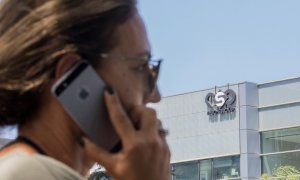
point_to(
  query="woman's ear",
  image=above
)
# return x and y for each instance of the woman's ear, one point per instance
(65, 63)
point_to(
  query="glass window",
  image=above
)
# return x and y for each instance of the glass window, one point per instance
(227, 167)
(282, 165)
(280, 140)
(186, 171)
(205, 170)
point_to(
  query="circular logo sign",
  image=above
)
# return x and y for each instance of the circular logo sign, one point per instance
(221, 102)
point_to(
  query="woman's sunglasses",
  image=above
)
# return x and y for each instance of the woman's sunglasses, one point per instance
(153, 67)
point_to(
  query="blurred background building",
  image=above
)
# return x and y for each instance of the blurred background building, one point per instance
(7, 134)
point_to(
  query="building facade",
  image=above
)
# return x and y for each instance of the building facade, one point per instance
(241, 131)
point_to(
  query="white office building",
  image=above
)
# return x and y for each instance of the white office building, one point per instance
(240, 131)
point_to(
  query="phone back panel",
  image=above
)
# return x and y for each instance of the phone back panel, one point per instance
(83, 99)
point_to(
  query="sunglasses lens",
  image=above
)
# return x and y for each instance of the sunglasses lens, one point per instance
(151, 84)
(153, 75)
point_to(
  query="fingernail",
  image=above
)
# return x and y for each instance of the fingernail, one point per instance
(110, 90)
(81, 142)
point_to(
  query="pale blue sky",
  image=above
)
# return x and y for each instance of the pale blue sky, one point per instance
(215, 42)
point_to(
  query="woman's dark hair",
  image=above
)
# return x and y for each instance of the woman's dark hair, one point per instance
(34, 34)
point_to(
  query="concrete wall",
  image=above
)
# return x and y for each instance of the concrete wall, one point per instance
(279, 104)
(250, 165)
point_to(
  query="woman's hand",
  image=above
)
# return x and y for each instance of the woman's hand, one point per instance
(145, 154)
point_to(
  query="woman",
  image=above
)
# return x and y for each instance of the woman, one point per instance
(41, 40)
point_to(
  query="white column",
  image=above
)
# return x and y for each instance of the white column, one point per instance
(250, 164)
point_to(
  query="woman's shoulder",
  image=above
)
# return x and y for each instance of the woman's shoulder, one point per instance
(21, 165)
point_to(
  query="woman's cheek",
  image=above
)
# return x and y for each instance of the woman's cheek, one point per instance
(131, 97)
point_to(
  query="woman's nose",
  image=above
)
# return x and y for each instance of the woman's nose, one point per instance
(154, 96)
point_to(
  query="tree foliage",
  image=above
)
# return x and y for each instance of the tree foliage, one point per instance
(286, 172)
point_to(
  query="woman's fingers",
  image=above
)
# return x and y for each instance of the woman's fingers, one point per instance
(140, 146)
(161, 130)
(118, 116)
(98, 154)
(147, 119)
